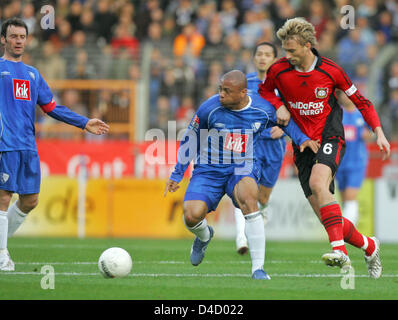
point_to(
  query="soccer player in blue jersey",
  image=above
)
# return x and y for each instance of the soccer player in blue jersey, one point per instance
(352, 169)
(271, 148)
(21, 89)
(220, 139)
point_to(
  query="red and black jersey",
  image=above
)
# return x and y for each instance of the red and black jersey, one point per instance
(311, 99)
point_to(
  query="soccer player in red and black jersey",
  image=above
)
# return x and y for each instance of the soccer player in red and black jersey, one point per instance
(307, 83)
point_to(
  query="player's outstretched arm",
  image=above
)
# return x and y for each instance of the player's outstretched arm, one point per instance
(382, 142)
(97, 126)
(171, 186)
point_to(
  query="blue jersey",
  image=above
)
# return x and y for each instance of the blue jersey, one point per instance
(356, 154)
(22, 88)
(220, 140)
(252, 88)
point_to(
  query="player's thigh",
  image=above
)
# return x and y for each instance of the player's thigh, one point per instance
(245, 194)
(321, 177)
(206, 187)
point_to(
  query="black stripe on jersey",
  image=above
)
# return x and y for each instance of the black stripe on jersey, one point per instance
(362, 99)
(325, 72)
(283, 71)
(332, 64)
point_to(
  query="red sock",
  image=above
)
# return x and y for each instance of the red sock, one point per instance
(332, 221)
(357, 239)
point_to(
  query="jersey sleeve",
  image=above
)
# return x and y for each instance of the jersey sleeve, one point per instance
(267, 89)
(366, 108)
(47, 104)
(189, 146)
(45, 97)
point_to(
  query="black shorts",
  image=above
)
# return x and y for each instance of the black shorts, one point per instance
(330, 153)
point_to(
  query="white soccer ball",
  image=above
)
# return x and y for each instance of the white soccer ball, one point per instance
(115, 263)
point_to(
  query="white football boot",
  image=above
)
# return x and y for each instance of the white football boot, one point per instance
(373, 262)
(6, 264)
(337, 258)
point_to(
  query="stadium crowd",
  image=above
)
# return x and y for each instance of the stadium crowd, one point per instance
(193, 42)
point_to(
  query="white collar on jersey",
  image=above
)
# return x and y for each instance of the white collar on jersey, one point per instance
(246, 107)
(311, 68)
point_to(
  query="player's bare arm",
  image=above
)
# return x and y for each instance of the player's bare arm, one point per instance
(382, 143)
(97, 126)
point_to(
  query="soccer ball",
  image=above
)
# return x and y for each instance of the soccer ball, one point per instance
(115, 263)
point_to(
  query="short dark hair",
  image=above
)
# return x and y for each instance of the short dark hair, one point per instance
(17, 22)
(265, 43)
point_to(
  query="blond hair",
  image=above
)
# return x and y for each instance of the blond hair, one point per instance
(298, 29)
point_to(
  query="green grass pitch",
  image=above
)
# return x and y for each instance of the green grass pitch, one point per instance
(162, 271)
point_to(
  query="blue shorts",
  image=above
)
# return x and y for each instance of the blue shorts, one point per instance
(270, 154)
(20, 171)
(350, 177)
(210, 187)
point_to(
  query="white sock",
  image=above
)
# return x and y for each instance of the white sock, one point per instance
(255, 235)
(351, 211)
(3, 230)
(200, 230)
(239, 223)
(15, 218)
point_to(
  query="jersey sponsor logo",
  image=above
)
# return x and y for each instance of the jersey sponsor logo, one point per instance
(321, 93)
(21, 89)
(236, 142)
(307, 108)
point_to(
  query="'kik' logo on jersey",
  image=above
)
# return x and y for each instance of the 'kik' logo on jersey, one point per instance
(21, 89)
(236, 142)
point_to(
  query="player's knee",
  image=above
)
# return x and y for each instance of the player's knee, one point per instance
(28, 205)
(248, 205)
(193, 215)
(5, 198)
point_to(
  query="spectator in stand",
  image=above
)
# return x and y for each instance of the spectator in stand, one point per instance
(385, 25)
(76, 9)
(83, 67)
(123, 39)
(214, 43)
(351, 50)
(204, 14)
(106, 20)
(50, 63)
(183, 11)
(189, 43)
(28, 16)
(69, 53)
(88, 25)
(250, 30)
(229, 15)
(185, 112)
(318, 16)
(143, 17)
(63, 36)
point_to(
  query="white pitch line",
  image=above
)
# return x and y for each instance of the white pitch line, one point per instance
(199, 275)
(162, 262)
